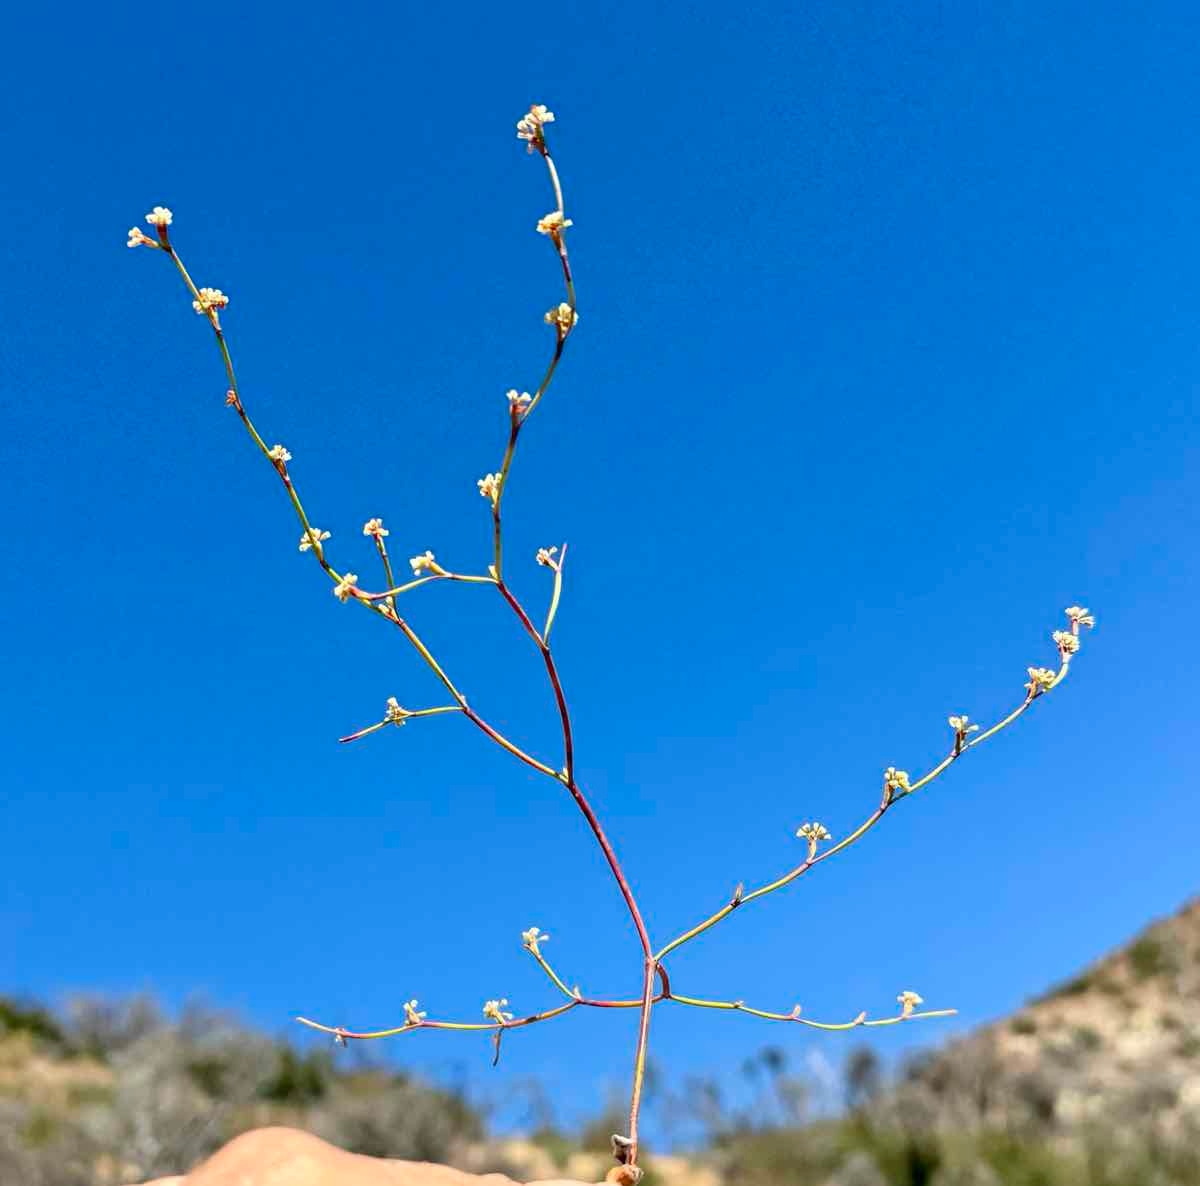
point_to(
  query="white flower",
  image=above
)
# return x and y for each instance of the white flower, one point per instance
(529, 126)
(1066, 642)
(545, 557)
(895, 780)
(1041, 679)
(313, 538)
(411, 1016)
(562, 317)
(345, 587)
(210, 298)
(376, 528)
(422, 562)
(532, 937)
(961, 725)
(160, 216)
(279, 455)
(494, 1011)
(1080, 616)
(813, 832)
(137, 238)
(909, 1000)
(489, 486)
(395, 714)
(553, 223)
(519, 401)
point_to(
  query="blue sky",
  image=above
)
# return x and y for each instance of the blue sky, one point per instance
(887, 353)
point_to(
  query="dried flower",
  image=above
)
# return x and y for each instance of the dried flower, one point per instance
(1066, 642)
(531, 938)
(411, 1016)
(529, 126)
(489, 486)
(279, 455)
(210, 298)
(138, 239)
(562, 316)
(160, 216)
(422, 562)
(519, 401)
(1079, 616)
(545, 557)
(395, 715)
(314, 537)
(345, 587)
(909, 1000)
(961, 725)
(895, 780)
(553, 223)
(376, 528)
(231, 398)
(1041, 679)
(813, 832)
(494, 1011)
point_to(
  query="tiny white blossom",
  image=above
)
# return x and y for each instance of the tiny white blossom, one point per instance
(422, 562)
(909, 1000)
(1066, 642)
(395, 714)
(961, 725)
(278, 454)
(345, 587)
(313, 538)
(411, 1016)
(1041, 679)
(562, 316)
(519, 401)
(553, 223)
(813, 832)
(494, 1011)
(210, 298)
(1080, 616)
(489, 486)
(529, 126)
(159, 216)
(376, 528)
(138, 239)
(545, 557)
(532, 937)
(895, 780)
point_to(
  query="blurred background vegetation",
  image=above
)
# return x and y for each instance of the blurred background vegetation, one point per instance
(1095, 1083)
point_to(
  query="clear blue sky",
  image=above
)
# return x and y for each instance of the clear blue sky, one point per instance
(888, 352)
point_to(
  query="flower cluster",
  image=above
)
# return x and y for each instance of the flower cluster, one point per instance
(1079, 616)
(314, 537)
(895, 780)
(545, 557)
(1066, 642)
(344, 589)
(532, 937)
(210, 299)
(494, 1011)
(279, 455)
(530, 125)
(138, 239)
(160, 217)
(425, 561)
(1041, 679)
(909, 1000)
(962, 725)
(395, 714)
(489, 486)
(553, 224)
(563, 317)
(411, 1016)
(376, 528)
(519, 401)
(814, 833)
